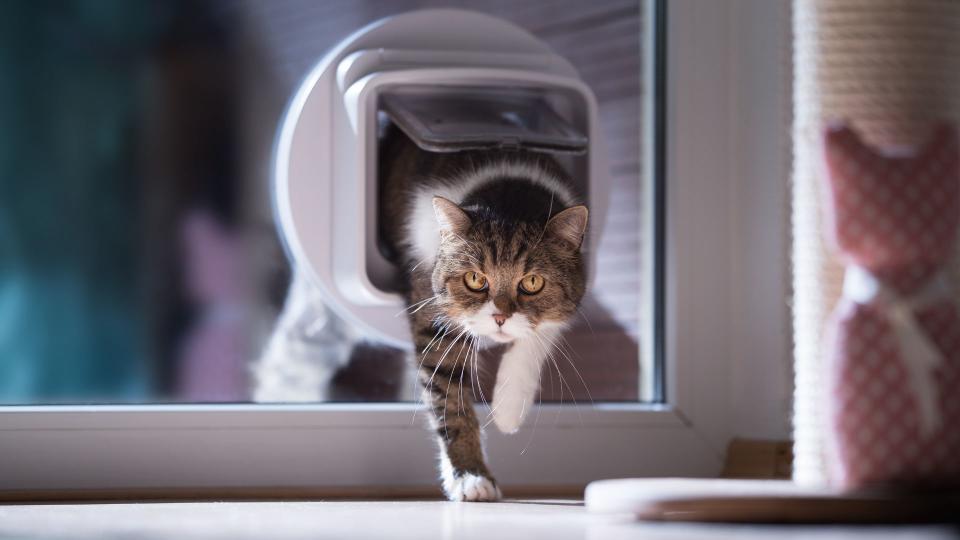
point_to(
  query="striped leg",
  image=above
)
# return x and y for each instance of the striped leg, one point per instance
(444, 358)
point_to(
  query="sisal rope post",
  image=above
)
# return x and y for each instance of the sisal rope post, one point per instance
(892, 69)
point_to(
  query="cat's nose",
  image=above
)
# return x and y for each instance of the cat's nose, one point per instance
(499, 318)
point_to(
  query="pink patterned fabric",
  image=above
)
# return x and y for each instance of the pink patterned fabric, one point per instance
(895, 336)
(215, 349)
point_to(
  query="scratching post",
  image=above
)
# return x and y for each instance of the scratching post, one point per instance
(890, 68)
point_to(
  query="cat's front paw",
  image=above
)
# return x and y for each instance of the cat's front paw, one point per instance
(472, 487)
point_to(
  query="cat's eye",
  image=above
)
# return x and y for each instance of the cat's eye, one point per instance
(531, 284)
(475, 281)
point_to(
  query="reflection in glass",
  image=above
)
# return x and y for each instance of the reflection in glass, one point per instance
(138, 257)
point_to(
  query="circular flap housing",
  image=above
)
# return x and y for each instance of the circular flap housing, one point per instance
(325, 159)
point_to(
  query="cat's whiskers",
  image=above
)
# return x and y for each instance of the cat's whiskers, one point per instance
(586, 320)
(437, 368)
(563, 346)
(464, 258)
(473, 371)
(461, 250)
(476, 365)
(421, 261)
(563, 381)
(444, 356)
(444, 329)
(445, 237)
(446, 324)
(552, 389)
(468, 258)
(490, 417)
(446, 396)
(544, 230)
(450, 378)
(417, 305)
(547, 356)
(470, 339)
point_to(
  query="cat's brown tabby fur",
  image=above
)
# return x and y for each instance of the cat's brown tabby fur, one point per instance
(489, 247)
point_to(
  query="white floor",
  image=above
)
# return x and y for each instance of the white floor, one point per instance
(528, 520)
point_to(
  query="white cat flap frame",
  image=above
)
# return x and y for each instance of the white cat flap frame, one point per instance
(325, 159)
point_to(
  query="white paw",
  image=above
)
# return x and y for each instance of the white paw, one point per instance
(472, 487)
(509, 412)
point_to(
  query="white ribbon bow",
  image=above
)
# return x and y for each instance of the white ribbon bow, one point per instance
(917, 352)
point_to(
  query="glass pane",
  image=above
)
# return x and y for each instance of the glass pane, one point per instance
(139, 258)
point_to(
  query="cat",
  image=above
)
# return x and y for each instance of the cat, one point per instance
(489, 247)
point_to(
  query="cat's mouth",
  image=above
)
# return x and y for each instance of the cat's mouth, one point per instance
(500, 336)
(497, 336)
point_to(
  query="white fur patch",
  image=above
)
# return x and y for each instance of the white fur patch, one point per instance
(472, 487)
(518, 377)
(481, 323)
(423, 232)
(467, 487)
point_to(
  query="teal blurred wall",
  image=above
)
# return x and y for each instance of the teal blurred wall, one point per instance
(70, 323)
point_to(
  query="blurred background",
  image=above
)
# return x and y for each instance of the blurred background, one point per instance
(138, 258)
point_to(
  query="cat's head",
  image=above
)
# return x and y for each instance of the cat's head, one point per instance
(507, 280)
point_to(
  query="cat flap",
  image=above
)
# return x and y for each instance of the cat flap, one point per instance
(480, 118)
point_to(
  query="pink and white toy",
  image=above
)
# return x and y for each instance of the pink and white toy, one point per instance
(894, 410)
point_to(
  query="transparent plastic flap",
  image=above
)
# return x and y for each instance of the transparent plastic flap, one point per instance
(440, 119)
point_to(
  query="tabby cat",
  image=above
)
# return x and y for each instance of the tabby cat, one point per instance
(489, 243)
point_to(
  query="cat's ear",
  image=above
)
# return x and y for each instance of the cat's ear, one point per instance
(569, 225)
(451, 217)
